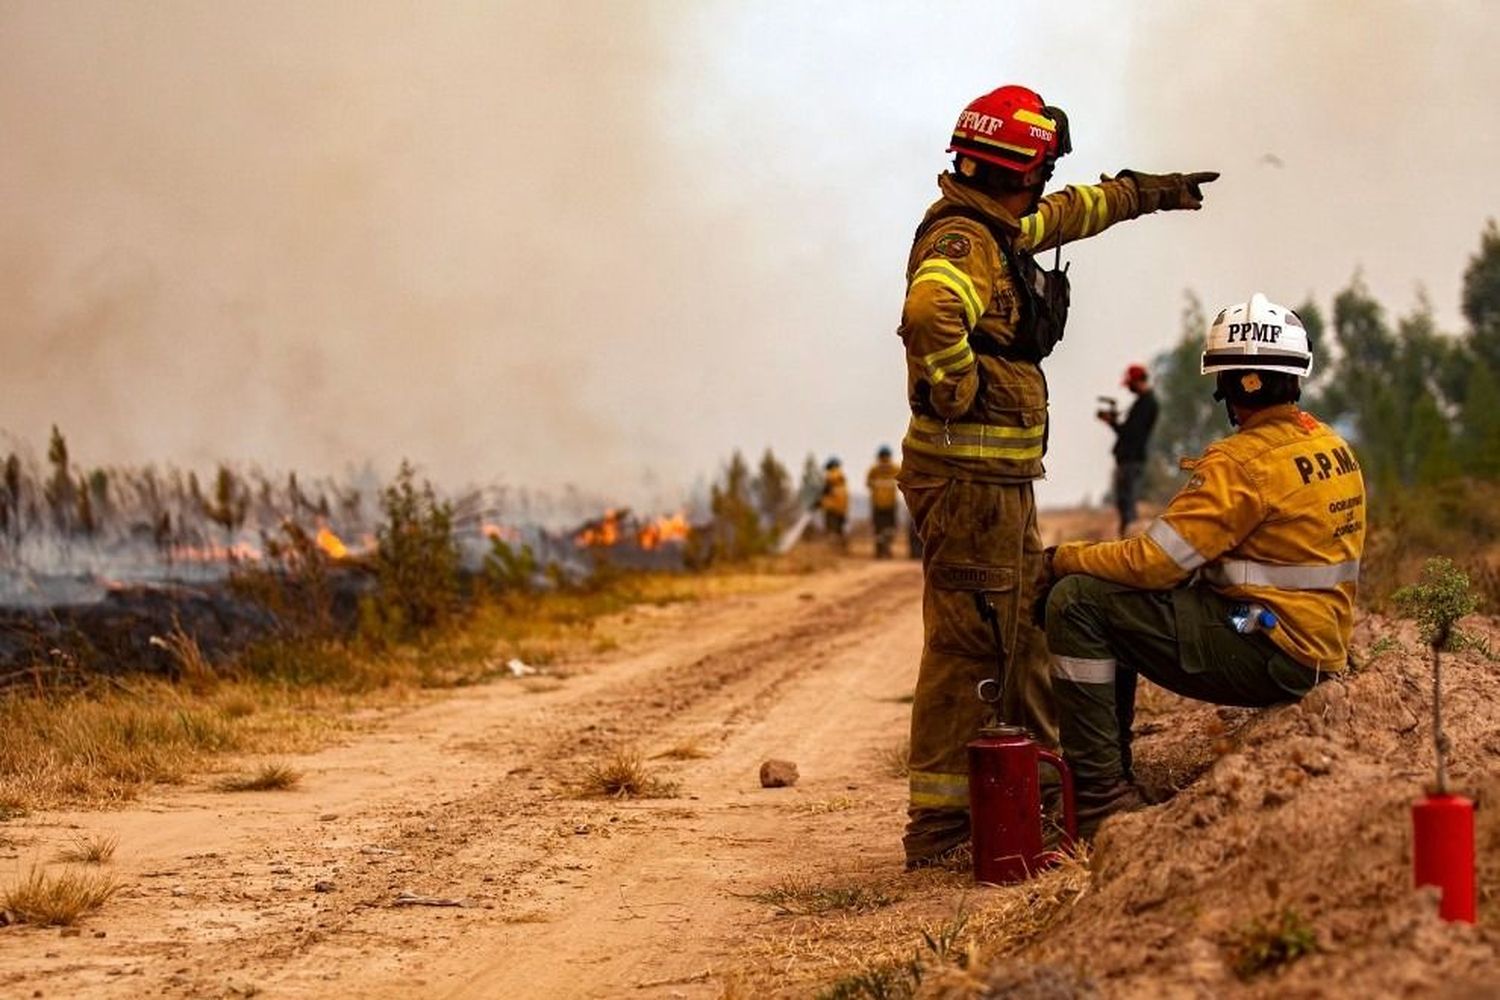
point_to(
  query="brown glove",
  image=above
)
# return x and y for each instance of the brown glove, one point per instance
(1164, 192)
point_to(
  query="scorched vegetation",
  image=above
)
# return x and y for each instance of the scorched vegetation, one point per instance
(149, 625)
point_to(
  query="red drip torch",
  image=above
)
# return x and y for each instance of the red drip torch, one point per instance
(1005, 805)
(1005, 795)
(1442, 825)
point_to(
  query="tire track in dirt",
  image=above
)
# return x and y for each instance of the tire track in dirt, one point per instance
(471, 798)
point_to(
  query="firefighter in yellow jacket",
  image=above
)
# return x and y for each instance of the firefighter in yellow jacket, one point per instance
(1271, 521)
(834, 502)
(881, 480)
(980, 315)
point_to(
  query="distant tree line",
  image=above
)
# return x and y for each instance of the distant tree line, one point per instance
(750, 509)
(168, 507)
(1420, 405)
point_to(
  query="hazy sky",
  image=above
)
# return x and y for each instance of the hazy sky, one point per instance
(606, 243)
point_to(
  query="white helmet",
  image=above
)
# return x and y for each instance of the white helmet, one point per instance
(1257, 334)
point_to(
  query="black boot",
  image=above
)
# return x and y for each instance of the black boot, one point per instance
(1097, 802)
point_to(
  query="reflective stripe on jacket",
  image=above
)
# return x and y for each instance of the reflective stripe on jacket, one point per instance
(958, 284)
(882, 483)
(1273, 514)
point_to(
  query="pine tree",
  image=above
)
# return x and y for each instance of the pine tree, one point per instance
(87, 522)
(1189, 419)
(773, 488)
(98, 485)
(59, 490)
(416, 559)
(1481, 297)
(230, 504)
(10, 497)
(811, 486)
(1479, 422)
(737, 525)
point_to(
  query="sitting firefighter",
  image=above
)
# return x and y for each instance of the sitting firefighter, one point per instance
(1267, 534)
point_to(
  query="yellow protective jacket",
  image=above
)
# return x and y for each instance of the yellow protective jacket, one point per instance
(1273, 514)
(835, 497)
(982, 417)
(882, 483)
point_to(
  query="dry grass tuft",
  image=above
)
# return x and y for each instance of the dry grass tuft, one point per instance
(794, 896)
(95, 850)
(238, 705)
(106, 743)
(267, 778)
(193, 668)
(58, 900)
(688, 749)
(1020, 913)
(624, 775)
(851, 954)
(895, 760)
(102, 745)
(838, 803)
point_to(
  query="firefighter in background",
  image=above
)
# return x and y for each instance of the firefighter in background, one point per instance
(1132, 435)
(834, 501)
(882, 483)
(980, 314)
(1272, 523)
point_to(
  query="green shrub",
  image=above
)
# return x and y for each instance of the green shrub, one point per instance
(416, 562)
(293, 585)
(510, 568)
(1437, 601)
(1264, 946)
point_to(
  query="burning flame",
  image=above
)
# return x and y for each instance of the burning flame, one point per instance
(617, 526)
(602, 533)
(497, 533)
(670, 528)
(331, 544)
(238, 552)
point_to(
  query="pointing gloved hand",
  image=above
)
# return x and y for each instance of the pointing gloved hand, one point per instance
(1164, 192)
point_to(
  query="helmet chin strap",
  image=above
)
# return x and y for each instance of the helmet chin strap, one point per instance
(1220, 397)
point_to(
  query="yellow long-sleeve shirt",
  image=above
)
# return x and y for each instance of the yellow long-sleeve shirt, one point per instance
(1274, 514)
(978, 416)
(881, 480)
(835, 498)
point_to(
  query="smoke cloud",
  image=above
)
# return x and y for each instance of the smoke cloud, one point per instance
(604, 244)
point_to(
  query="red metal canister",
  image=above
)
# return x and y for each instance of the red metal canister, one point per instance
(1005, 805)
(1442, 852)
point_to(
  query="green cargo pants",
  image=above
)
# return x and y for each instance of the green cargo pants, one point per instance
(980, 544)
(1100, 632)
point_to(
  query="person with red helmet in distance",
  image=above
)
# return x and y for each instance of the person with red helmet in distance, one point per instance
(980, 315)
(1132, 435)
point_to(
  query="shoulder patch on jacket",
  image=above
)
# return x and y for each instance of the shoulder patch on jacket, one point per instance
(954, 245)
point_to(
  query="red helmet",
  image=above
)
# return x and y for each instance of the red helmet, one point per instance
(1136, 373)
(1012, 128)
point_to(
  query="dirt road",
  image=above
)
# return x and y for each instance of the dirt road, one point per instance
(472, 799)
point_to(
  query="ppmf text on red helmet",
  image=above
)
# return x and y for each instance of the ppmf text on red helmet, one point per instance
(1011, 127)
